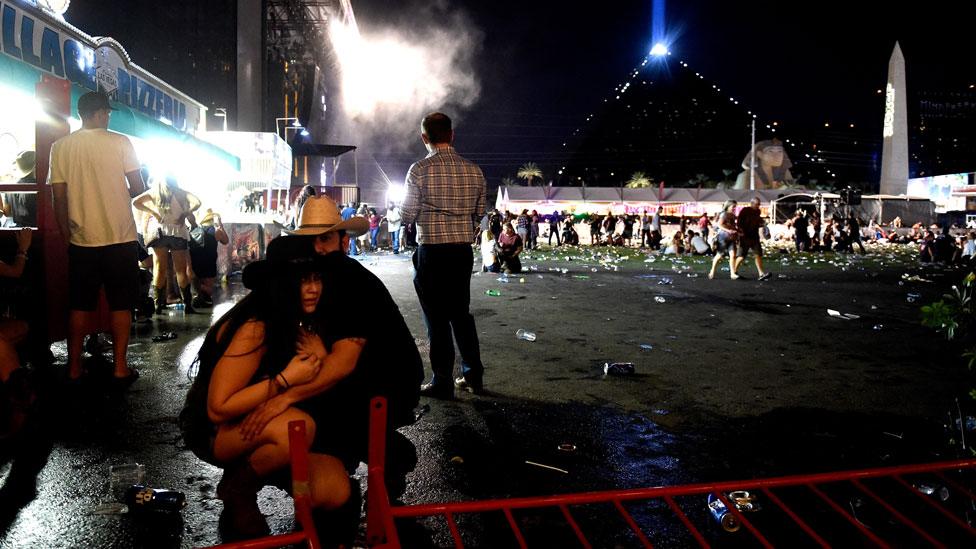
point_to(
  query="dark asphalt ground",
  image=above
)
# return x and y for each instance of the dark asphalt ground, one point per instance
(743, 379)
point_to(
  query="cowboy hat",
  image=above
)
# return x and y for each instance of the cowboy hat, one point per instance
(320, 215)
(285, 257)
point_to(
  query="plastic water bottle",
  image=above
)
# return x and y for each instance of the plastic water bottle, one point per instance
(525, 335)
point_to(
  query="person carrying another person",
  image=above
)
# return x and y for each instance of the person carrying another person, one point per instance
(726, 239)
(94, 176)
(508, 248)
(208, 234)
(170, 208)
(750, 222)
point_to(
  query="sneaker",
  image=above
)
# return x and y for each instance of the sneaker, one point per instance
(765, 276)
(471, 387)
(442, 392)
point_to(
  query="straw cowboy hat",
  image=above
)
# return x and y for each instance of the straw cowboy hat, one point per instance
(320, 215)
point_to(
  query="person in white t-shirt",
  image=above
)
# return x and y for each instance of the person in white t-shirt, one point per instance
(94, 176)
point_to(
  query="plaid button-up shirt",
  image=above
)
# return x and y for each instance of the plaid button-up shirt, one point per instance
(445, 195)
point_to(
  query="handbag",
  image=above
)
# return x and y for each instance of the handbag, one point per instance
(197, 238)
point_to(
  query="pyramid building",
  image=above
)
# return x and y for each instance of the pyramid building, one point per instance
(665, 120)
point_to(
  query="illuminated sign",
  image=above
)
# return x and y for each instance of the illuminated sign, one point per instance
(889, 117)
(38, 40)
(941, 190)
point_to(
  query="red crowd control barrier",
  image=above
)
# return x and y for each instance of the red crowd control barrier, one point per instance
(301, 495)
(928, 504)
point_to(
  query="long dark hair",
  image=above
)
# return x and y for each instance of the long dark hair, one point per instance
(276, 303)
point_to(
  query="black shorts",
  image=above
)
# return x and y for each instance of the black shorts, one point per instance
(747, 244)
(116, 267)
(169, 242)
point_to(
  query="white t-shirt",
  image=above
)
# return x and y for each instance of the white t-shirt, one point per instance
(969, 249)
(393, 218)
(700, 245)
(93, 164)
(488, 256)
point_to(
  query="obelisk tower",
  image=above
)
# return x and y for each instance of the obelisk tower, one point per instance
(894, 154)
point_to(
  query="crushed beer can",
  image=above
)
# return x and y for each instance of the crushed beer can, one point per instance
(144, 498)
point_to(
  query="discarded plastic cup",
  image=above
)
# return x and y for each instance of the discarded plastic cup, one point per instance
(646, 347)
(503, 279)
(933, 490)
(659, 299)
(525, 335)
(122, 477)
(618, 368)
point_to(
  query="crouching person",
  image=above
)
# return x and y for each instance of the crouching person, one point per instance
(260, 349)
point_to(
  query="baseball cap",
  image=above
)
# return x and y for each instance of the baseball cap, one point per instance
(93, 102)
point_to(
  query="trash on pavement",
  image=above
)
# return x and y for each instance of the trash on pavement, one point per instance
(525, 335)
(493, 293)
(845, 316)
(618, 368)
(165, 336)
(550, 467)
(659, 299)
(646, 347)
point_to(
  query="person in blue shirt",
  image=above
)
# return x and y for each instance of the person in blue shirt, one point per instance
(346, 213)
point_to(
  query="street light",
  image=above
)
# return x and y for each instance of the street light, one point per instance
(221, 112)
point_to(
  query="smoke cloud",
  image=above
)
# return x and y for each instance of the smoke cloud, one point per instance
(391, 76)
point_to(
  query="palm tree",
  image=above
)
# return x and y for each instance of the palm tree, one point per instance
(528, 172)
(638, 181)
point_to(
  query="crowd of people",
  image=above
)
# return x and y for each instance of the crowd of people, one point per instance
(318, 335)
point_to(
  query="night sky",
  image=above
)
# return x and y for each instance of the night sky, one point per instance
(545, 64)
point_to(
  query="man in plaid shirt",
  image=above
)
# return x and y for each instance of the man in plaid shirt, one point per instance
(445, 195)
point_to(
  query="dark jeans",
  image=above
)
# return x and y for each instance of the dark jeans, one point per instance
(443, 284)
(552, 233)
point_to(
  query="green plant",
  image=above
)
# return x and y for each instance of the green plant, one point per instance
(952, 312)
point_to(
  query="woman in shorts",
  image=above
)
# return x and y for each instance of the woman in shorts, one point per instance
(726, 239)
(170, 208)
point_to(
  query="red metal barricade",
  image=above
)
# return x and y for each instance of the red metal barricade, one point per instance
(300, 493)
(803, 509)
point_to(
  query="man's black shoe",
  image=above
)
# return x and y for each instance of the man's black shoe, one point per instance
(443, 392)
(469, 386)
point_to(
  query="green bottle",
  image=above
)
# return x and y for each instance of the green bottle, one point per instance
(493, 293)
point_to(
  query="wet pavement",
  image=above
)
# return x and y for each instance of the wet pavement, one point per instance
(741, 379)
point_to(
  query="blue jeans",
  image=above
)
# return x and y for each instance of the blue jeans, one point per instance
(443, 284)
(372, 237)
(352, 245)
(395, 236)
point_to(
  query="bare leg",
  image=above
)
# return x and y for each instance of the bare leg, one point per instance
(159, 266)
(11, 333)
(715, 260)
(759, 265)
(121, 324)
(732, 264)
(79, 323)
(181, 262)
